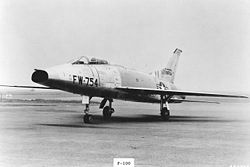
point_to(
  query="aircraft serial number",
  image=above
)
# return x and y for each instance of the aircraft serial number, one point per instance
(89, 80)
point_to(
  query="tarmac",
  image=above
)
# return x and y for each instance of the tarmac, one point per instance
(53, 134)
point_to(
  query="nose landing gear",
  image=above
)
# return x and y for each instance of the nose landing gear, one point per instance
(87, 118)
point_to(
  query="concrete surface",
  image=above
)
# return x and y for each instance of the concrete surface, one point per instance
(52, 134)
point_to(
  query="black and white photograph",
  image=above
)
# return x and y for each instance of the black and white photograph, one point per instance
(124, 83)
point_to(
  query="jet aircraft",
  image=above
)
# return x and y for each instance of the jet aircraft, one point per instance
(98, 78)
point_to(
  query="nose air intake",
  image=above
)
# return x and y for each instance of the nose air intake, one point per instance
(39, 76)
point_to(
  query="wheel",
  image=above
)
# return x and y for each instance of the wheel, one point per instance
(107, 112)
(87, 118)
(165, 114)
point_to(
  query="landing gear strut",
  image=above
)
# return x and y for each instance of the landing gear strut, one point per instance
(164, 107)
(108, 110)
(87, 117)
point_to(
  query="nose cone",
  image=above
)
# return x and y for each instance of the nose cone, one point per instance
(39, 76)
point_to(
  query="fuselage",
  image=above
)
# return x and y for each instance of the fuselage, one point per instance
(100, 80)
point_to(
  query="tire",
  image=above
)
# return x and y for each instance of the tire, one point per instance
(165, 114)
(87, 118)
(107, 112)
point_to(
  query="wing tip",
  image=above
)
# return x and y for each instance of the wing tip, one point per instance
(24, 86)
(240, 96)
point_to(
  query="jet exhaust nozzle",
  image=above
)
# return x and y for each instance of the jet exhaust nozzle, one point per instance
(39, 76)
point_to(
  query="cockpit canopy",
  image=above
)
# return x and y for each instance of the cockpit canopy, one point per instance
(80, 60)
(85, 60)
(98, 61)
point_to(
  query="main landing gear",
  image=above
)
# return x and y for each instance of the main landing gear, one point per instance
(108, 110)
(164, 108)
(165, 114)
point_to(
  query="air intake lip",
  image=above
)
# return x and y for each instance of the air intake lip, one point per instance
(40, 76)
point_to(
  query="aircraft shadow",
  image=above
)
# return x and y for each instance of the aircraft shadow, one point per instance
(80, 125)
(99, 120)
(156, 118)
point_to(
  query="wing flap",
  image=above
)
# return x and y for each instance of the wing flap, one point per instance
(193, 101)
(149, 91)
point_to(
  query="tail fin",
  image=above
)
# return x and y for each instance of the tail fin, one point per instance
(168, 73)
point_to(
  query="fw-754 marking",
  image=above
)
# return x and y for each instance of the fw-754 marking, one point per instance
(89, 80)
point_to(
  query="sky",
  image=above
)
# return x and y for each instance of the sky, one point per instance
(140, 34)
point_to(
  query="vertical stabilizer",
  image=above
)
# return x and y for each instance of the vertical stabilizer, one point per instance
(168, 73)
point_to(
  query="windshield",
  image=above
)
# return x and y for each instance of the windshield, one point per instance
(80, 60)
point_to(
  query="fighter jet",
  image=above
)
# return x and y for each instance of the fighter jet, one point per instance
(98, 78)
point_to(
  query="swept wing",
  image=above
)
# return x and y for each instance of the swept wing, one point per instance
(24, 86)
(149, 91)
